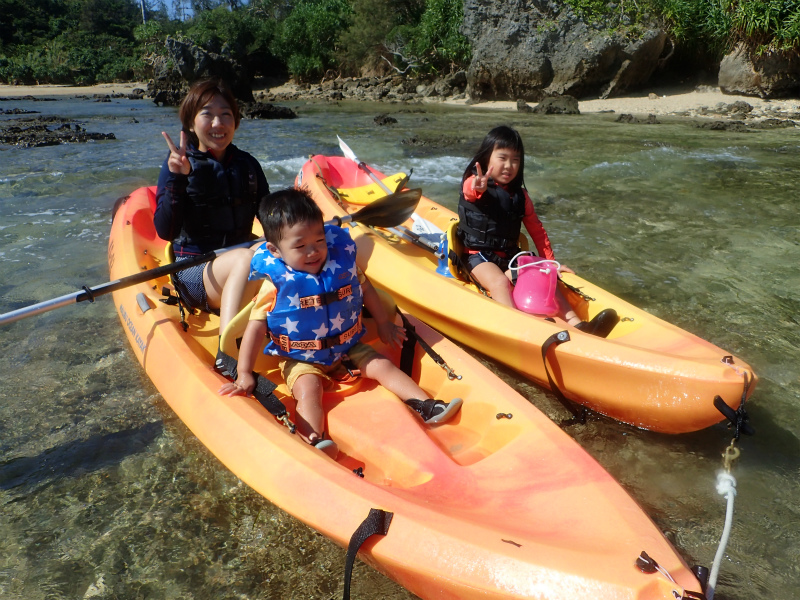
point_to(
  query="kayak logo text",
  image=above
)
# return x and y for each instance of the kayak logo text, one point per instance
(129, 323)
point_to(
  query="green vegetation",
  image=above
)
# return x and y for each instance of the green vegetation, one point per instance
(87, 41)
(714, 25)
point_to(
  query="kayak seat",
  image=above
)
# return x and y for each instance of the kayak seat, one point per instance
(455, 249)
(371, 192)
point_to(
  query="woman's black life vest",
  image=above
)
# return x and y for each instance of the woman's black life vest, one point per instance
(493, 222)
(224, 200)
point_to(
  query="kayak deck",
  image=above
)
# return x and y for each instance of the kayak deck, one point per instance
(498, 503)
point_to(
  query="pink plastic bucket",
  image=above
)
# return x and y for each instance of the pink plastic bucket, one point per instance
(535, 290)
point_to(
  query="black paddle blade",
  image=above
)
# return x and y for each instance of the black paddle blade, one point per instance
(388, 211)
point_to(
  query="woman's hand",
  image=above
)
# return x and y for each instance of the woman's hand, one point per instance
(177, 161)
(480, 182)
(391, 334)
(565, 269)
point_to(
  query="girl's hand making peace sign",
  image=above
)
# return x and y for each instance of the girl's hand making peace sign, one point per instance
(177, 161)
(480, 181)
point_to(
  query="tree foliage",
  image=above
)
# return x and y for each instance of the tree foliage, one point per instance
(307, 40)
(84, 41)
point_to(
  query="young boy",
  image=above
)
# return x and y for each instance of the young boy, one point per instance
(310, 308)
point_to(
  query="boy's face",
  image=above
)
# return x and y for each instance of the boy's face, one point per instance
(302, 247)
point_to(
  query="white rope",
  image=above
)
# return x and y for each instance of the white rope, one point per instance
(726, 486)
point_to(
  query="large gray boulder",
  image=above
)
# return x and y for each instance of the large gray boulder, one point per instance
(530, 49)
(193, 63)
(770, 75)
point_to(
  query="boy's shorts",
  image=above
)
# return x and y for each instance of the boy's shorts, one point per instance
(291, 369)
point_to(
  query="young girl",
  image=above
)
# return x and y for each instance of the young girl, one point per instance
(208, 194)
(493, 206)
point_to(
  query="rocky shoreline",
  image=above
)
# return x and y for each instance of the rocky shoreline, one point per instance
(703, 107)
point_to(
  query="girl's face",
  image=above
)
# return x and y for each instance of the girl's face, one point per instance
(504, 165)
(214, 126)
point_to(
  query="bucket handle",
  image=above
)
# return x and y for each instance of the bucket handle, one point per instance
(538, 263)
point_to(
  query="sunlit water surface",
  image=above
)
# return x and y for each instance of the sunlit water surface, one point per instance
(105, 494)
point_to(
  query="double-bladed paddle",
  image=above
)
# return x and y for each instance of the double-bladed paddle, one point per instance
(348, 153)
(384, 212)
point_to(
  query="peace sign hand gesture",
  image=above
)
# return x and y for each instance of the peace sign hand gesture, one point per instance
(177, 161)
(481, 181)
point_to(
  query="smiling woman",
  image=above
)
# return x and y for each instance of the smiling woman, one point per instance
(208, 194)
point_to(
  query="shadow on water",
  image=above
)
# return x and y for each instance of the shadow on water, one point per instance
(76, 458)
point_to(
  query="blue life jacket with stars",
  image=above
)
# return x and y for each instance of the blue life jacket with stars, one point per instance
(316, 318)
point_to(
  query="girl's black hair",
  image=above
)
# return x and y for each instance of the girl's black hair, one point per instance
(499, 137)
(286, 208)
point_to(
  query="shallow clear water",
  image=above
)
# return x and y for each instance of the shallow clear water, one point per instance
(105, 494)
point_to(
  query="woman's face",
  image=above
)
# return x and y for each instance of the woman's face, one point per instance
(503, 165)
(214, 126)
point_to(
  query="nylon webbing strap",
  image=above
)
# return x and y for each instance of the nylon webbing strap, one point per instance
(407, 356)
(559, 338)
(263, 393)
(263, 390)
(376, 523)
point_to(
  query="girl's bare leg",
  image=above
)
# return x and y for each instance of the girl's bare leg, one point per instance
(490, 276)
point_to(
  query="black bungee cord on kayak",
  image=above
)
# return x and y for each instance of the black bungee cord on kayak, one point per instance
(578, 414)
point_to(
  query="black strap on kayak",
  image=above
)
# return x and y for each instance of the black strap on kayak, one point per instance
(738, 418)
(263, 392)
(578, 414)
(578, 291)
(454, 257)
(407, 353)
(376, 523)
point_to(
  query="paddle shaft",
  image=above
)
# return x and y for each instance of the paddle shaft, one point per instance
(111, 286)
(385, 212)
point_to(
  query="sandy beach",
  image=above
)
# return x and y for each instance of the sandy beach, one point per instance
(683, 102)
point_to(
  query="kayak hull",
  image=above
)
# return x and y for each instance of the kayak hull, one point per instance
(647, 373)
(498, 503)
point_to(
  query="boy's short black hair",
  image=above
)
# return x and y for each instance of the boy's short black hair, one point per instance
(286, 208)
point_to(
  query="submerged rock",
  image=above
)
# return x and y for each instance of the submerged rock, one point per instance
(46, 131)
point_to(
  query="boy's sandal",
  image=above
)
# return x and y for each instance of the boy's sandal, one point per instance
(435, 411)
(329, 447)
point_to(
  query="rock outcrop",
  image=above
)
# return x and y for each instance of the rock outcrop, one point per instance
(531, 49)
(190, 63)
(770, 75)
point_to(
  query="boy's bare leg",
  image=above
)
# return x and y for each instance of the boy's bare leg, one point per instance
(307, 391)
(382, 370)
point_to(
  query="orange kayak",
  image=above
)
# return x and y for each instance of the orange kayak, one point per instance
(497, 503)
(648, 372)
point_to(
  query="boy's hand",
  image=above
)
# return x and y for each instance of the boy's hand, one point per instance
(177, 161)
(391, 334)
(243, 385)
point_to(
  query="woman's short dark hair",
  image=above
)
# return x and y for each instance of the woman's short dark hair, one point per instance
(286, 208)
(200, 94)
(500, 137)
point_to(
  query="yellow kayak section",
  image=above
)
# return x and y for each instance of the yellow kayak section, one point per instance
(498, 503)
(647, 373)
